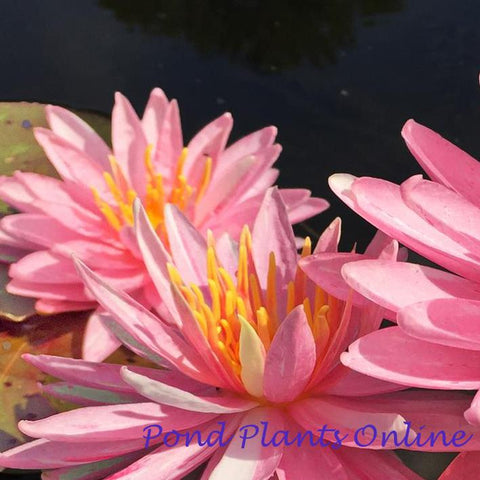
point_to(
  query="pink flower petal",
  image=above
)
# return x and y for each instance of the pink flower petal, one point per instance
(443, 161)
(291, 358)
(98, 341)
(380, 202)
(188, 246)
(208, 142)
(154, 115)
(448, 321)
(166, 463)
(394, 356)
(147, 331)
(111, 423)
(395, 285)
(129, 142)
(251, 461)
(272, 233)
(447, 211)
(330, 238)
(169, 395)
(73, 129)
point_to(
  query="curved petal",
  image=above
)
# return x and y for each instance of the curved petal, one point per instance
(447, 211)
(392, 355)
(443, 161)
(448, 321)
(77, 132)
(98, 341)
(251, 459)
(129, 142)
(272, 233)
(291, 358)
(395, 285)
(175, 397)
(111, 422)
(380, 202)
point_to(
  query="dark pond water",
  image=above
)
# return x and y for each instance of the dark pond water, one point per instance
(339, 78)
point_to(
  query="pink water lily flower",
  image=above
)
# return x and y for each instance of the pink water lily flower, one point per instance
(437, 341)
(89, 210)
(248, 338)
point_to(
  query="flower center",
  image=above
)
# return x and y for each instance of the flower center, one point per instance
(159, 191)
(231, 299)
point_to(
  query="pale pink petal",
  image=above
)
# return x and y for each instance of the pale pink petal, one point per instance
(187, 245)
(395, 285)
(394, 356)
(98, 341)
(37, 228)
(330, 238)
(250, 460)
(105, 376)
(166, 463)
(309, 208)
(447, 211)
(73, 292)
(346, 382)
(148, 333)
(156, 259)
(380, 202)
(44, 266)
(255, 180)
(346, 415)
(208, 142)
(111, 422)
(129, 142)
(464, 467)
(272, 233)
(14, 192)
(169, 143)
(223, 187)
(324, 269)
(73, 164)
(250, 144)
(291, 358)
(169, 395)
(307, 461)
(73, 129)
(154, 115)
(451, 321)
(443, 161)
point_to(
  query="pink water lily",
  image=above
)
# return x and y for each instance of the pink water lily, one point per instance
(89, 210)
(437, 341)
(248, 338)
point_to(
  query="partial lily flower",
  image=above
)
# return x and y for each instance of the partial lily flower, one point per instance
(89, 210)
(437, 341)
(248, 338)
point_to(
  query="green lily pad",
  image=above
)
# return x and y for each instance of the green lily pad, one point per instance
(18, 148)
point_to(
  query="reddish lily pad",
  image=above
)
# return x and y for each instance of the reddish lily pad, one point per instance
(18, 148)
(20, 396)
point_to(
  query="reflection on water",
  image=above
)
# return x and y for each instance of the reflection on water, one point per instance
(269, 35)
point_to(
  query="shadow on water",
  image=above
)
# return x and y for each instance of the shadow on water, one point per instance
(270, 35)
